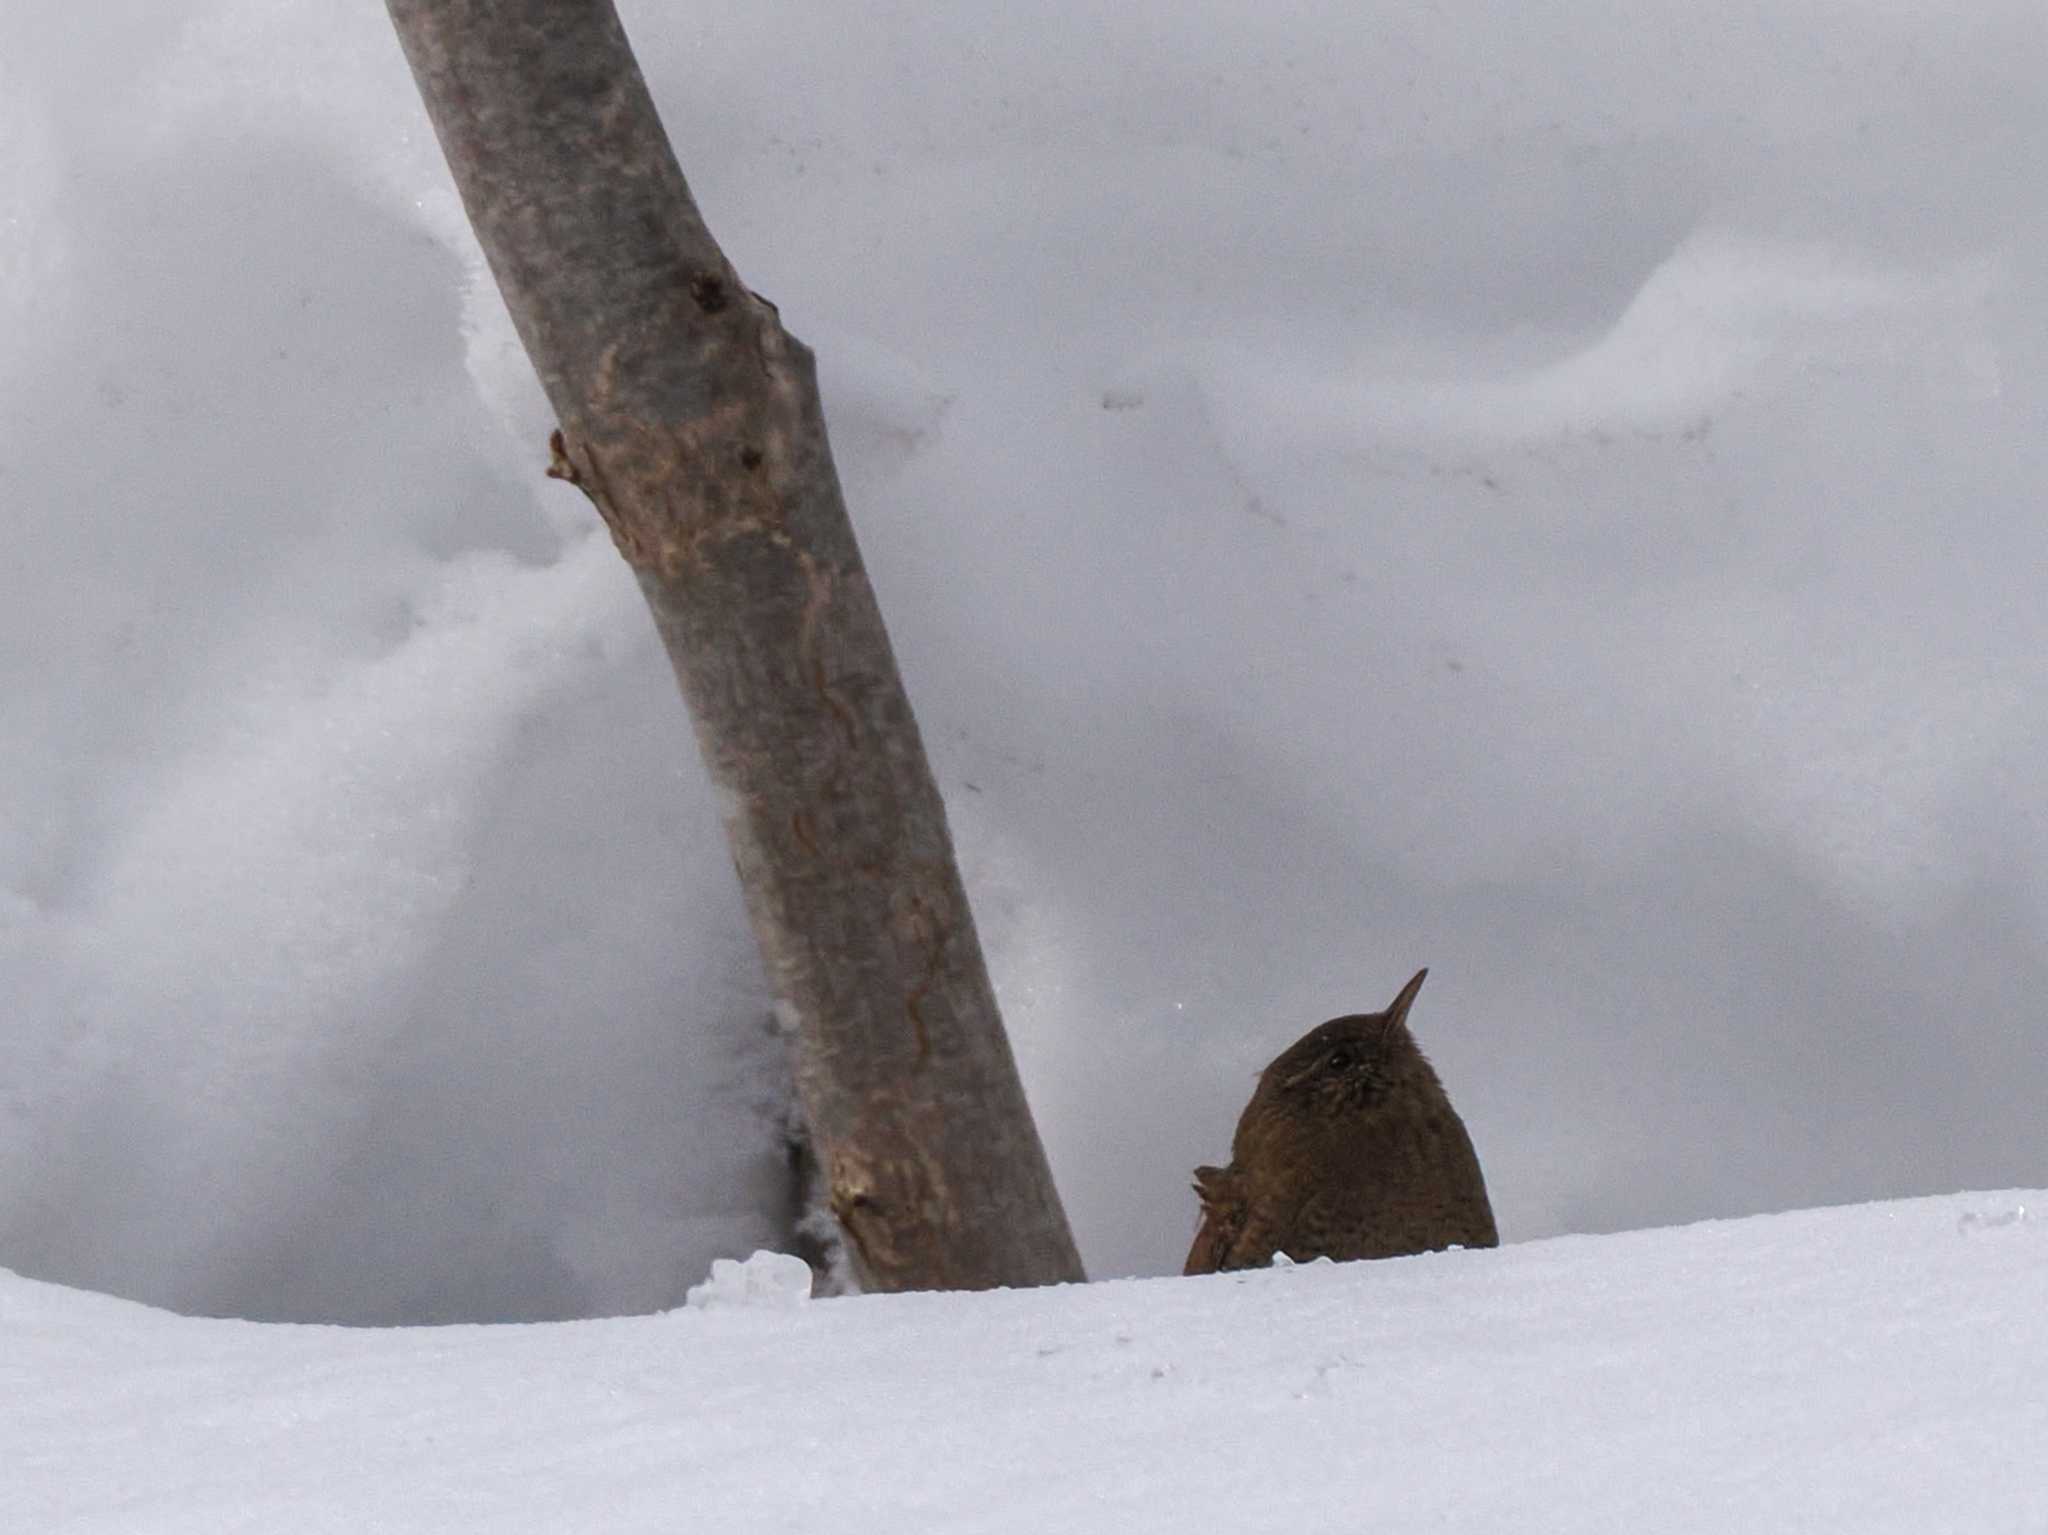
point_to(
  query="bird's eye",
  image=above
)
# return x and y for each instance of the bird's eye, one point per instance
(1338, 1059)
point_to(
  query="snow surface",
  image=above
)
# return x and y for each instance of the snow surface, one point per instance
(1880, 1370)
(1549, 493)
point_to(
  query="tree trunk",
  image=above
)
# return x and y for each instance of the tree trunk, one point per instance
(691, 419)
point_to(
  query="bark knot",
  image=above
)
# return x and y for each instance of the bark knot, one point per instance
(708, 291)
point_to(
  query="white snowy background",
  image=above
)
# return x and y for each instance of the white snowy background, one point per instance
(1549, 493)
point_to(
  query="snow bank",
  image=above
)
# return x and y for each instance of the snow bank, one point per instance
(1869, 1371)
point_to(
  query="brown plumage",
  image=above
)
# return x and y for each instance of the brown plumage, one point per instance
(1348, 1149)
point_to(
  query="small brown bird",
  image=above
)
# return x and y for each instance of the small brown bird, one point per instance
(1348, 1149)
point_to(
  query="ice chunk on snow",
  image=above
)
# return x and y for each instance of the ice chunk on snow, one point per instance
(1284, 1261)
(766, 1279)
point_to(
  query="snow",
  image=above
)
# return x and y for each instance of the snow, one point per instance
(765, 1279)
(1866, 1370)
(1549, 495)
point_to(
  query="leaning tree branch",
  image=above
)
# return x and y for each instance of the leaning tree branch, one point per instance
(691, 419)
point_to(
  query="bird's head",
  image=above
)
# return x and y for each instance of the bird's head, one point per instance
(1337, 1074)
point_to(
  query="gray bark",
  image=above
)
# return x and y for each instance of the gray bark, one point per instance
(691, 419)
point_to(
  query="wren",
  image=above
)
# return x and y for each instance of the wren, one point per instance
(1348, 1149)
